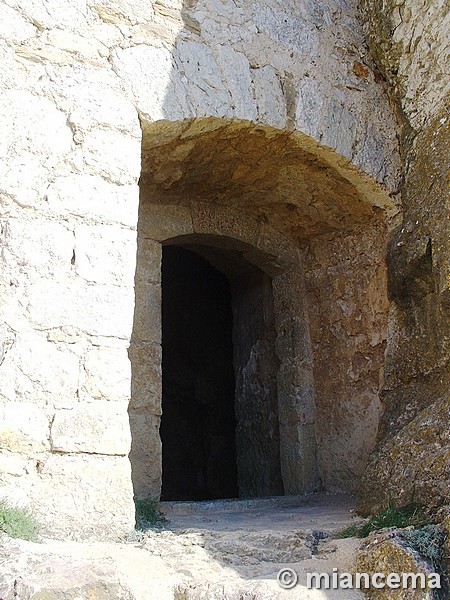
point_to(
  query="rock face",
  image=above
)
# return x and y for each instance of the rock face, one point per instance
(414, 464)
(417, 374)
(256, 134)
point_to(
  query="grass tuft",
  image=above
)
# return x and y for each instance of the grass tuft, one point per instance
(391, 516)
(18, 522)
(148, 514)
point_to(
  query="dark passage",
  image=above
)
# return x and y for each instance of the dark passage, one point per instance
(198, 422)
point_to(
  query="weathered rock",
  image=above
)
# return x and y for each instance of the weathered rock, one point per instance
(31, 571)
(409, 51)
(413, 465)
(214, 558)
(386, 552)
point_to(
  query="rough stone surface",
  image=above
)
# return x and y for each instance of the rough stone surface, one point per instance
(197, 556)
(392, 473)
(386, 552)
(412, 53)
(348, 316)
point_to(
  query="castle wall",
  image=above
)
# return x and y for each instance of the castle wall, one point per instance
(78, 80)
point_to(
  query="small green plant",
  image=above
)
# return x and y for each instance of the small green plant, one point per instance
(427, 541)
(18, 522)
(148, 514)
(391, 516)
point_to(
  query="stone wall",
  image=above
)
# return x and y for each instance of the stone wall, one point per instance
(411, 48)
(79, 78)
(256, 396)
(346, 284)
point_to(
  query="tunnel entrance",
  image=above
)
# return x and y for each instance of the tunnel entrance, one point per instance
(198, 421)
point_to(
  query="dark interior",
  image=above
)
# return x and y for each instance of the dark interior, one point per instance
(198, 422)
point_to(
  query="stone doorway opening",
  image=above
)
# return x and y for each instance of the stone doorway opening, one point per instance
(219, 428)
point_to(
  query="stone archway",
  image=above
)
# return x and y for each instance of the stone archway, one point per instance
(278, 272)
(317, 228)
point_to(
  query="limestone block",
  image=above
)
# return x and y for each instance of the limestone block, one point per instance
(100, 427)
(236, 69)
(148, 264)
(373, 159)
(128, 12)
(55, 14)
(340, 129)
(25, 180)
(15, 465)
(62, 48)
(76, 44)
(164, 222)
(114, 156)
(299, 473)
(206, 92)
(286, 253)
(227, 222)
(105, 255)
(36, 248)
(107, 33)
(84, 496)
(146, 382)
(293, 343)
(14, 73)
(108, 373)
(94, 197)
(94, 97)
(295, 395)
(296, 33)
(269, 97)
(147, 313)
(7, 339)
(310, 101)
(38, 370)
(38, 126)
(96, 309)
(39, 134)
(155, 86)
(23, 429)
(13, 26)
(145, 455)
